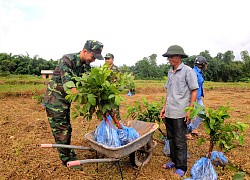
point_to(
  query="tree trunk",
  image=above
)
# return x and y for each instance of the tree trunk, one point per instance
(210, 148)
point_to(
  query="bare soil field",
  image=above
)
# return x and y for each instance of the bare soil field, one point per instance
(24, 126)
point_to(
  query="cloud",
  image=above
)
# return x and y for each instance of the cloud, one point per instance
(129, 29)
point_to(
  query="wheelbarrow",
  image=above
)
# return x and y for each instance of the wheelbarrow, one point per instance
(139, 150)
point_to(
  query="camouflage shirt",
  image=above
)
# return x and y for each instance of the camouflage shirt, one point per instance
(69, 66)
(115, 68)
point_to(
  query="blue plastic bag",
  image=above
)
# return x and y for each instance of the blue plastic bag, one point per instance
(166, 149)
(106, 134)
(203, 170)
(129, 93)
(218, 159)
(127, 134)
(189, 129)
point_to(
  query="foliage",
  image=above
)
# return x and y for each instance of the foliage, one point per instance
(221, 68)
(38, 98)
(222, 134)
(23, 64)
(27, 85)
(147, 68)
(100, 92)
(239, 176)
(22, 79)
(130, 80)
(147, 111)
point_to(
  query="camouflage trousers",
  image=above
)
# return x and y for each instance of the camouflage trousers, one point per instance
(59, 120)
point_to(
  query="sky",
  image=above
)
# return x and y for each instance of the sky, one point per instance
(129, 29)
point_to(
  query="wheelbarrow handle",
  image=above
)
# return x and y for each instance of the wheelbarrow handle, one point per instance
(65, 146)
(73, 163)
(46, 145)
(80, 162)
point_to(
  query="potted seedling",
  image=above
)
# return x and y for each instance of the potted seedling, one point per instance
(223, 134)
(100, 93)
(146, 111)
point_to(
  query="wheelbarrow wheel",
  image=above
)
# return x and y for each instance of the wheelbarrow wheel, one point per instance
(142, 156)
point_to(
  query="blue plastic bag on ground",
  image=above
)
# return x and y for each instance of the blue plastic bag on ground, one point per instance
(129, 93)
(127, 135)
(189, 129)
(166, 149)
(106, 134)
(218, 159)
(203, 170)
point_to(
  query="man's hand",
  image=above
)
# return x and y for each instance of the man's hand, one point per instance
(187, 118)
(162, 113)
(74, 90)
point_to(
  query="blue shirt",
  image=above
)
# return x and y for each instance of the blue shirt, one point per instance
(200, 78)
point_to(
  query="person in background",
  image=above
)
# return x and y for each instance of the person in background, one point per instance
(181, 93)
(200, 64)
(57, 107)
(109, 59)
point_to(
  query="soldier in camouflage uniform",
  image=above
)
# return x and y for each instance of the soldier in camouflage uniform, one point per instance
(57, 107)
(109, 59)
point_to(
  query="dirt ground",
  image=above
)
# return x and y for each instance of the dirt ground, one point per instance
(24, 126)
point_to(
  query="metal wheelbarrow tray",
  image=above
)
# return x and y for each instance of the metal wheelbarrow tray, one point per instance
(139, 150)
(145, 130)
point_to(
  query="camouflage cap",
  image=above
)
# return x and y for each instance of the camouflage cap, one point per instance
(175, 50)
(95, 47)
(109, 55)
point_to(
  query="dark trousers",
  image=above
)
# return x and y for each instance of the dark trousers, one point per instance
(59, 120)
(176, 130)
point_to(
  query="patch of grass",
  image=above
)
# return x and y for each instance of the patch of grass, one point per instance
(21, 90)
(19, 146)
(22, 79)
(38, 98)
(23, 85)
(213, 85)
(207, 85)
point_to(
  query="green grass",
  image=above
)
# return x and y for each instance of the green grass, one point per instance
(149, 83)
(16, 85)
(21, 88)
(209, 84)
(22, 85)
(22, 79)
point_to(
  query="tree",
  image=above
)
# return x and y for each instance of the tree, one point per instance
(189, 61)
(228, 57)
(206, 55)
(147, 68)
(246, 66)
(245, 55)
(124, 68)
(23, 64)
(213, 72)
